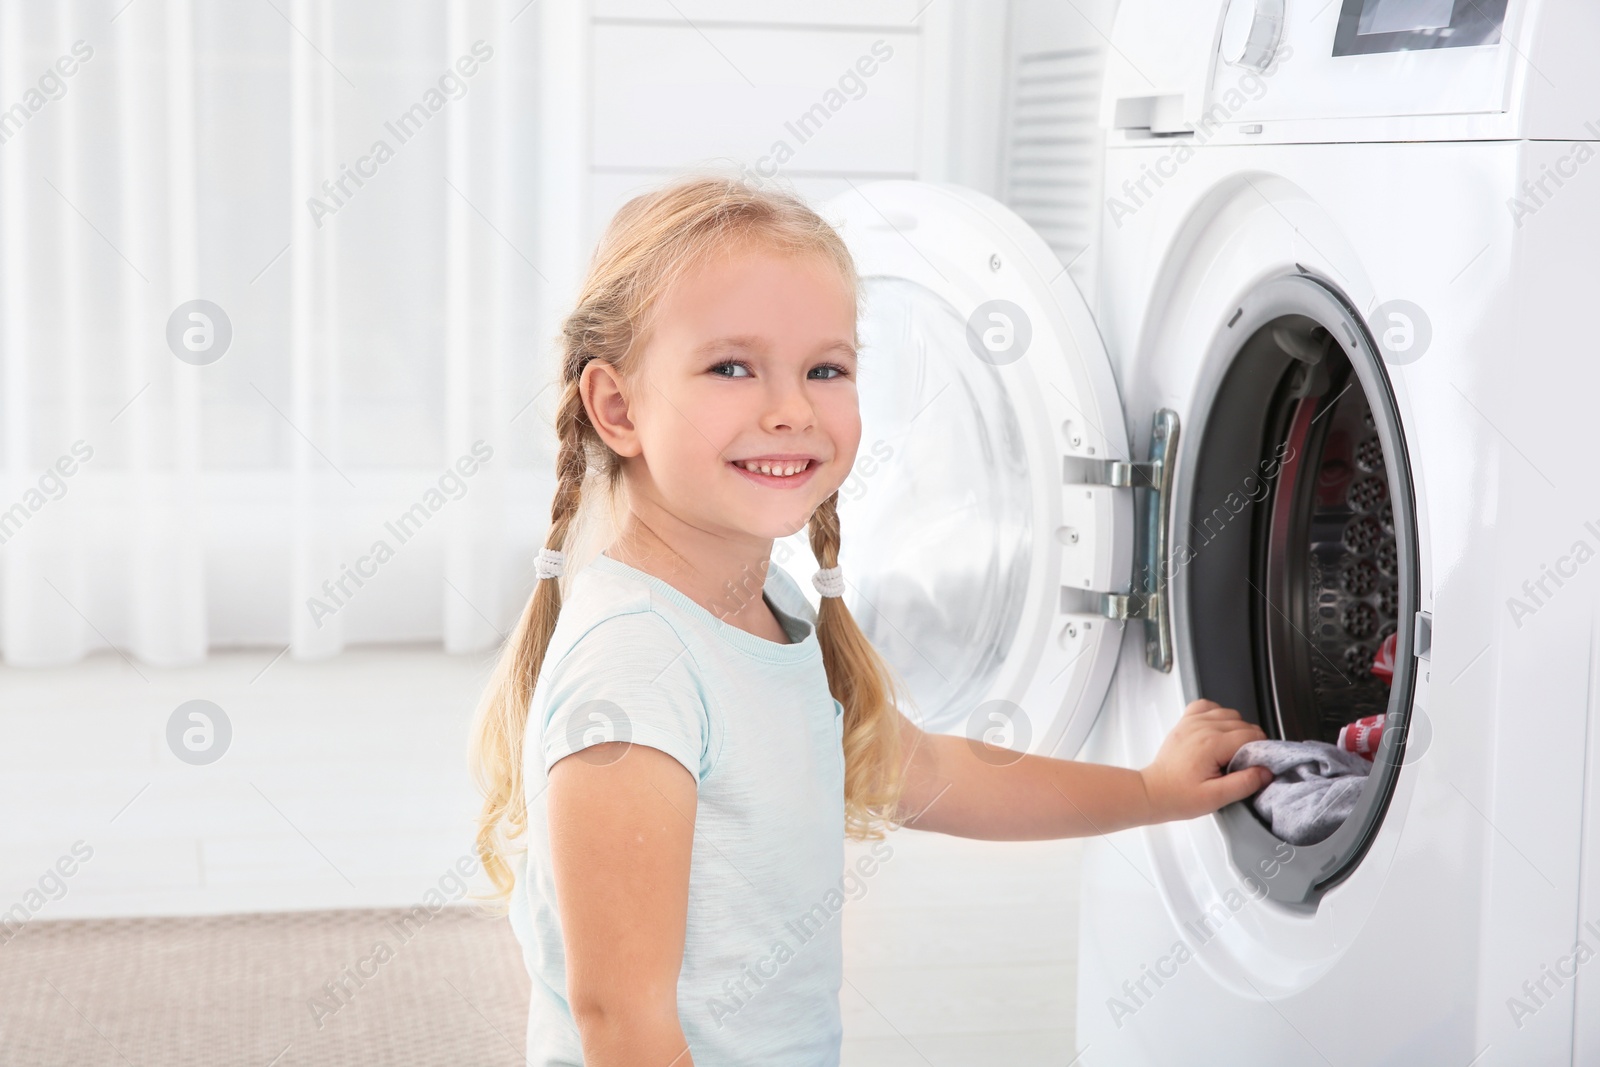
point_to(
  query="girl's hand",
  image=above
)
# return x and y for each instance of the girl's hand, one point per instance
(1185, 779)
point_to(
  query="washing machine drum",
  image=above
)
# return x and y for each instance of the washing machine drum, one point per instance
(1299, 582)
(1327, 555)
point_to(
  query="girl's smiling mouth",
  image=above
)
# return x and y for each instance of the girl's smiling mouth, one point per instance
(783, 472)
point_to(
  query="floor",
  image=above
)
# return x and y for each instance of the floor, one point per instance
(289, 989)
(341, 787)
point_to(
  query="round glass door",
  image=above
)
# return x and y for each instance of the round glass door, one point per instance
(936, 522)
(973, 551)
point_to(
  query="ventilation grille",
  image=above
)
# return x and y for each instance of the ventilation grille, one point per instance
(1053, 148)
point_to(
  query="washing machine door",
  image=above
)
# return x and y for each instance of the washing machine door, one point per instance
(985, 547)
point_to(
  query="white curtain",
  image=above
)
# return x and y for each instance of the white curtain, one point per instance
(351, 190)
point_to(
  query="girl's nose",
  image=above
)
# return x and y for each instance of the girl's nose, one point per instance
(789, 407)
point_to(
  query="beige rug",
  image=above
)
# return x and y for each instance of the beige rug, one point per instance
(285, 990)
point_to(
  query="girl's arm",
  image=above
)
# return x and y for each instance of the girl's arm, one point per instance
(621, 833)
(958, 787)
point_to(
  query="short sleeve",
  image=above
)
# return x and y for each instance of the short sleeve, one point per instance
(629, 678)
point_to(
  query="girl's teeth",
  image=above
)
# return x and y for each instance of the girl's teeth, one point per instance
(781, 470)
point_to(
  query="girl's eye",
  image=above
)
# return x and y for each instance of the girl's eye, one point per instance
(831, 370)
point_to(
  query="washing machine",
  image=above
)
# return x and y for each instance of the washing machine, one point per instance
(1335, 394)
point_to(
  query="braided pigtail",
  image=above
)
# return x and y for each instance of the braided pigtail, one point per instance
(864, 683)
(503, 716)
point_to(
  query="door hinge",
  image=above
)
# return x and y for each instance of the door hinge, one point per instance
(1147, 599)
(1126, 474)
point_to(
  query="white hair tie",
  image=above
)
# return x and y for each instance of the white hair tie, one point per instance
(829, 581)
(550, 563)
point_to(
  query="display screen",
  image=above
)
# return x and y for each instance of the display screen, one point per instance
(1367, 26)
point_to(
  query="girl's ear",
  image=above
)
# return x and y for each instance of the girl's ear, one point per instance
(607, 405)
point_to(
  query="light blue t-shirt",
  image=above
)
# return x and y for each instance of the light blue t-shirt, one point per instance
(753, 721)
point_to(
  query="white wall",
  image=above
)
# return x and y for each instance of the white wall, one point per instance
(652, 88)
(1000, 95)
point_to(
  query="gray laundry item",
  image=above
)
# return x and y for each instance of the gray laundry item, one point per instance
(1314, 789)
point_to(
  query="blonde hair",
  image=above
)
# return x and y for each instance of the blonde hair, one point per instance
(651, 242)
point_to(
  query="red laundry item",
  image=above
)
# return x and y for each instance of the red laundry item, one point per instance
(1383, 662)
(1362, 736)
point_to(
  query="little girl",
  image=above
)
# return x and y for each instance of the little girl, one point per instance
(683, 740)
